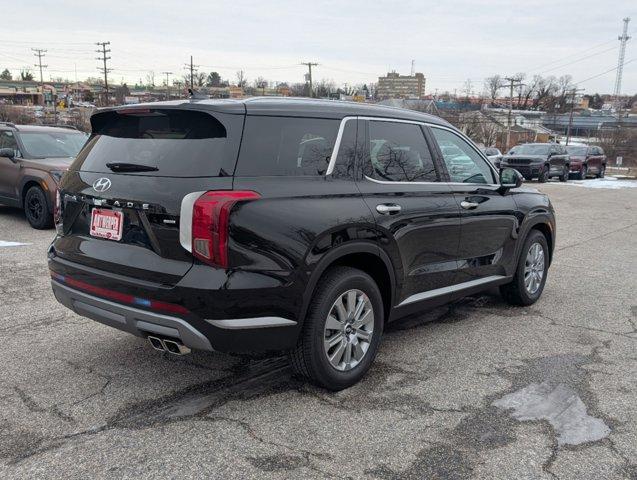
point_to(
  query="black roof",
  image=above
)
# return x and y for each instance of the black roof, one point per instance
(296, 107)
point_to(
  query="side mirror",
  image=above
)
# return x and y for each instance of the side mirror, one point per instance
(8, 153)
(510, 178)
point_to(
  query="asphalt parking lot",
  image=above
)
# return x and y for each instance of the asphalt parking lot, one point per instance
(476, 389)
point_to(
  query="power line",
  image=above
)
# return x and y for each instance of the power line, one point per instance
(605, 72)
(104, 69)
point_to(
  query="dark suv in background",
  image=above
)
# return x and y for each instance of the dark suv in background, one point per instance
(33, 159)
(287, 225)
(539, 160)
(587, 160)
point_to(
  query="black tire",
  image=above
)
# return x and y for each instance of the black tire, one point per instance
(309, 358)
(565, 174)
(37, 209)
(602, 171)
(543, 176)
(582, 172)
(515, 293)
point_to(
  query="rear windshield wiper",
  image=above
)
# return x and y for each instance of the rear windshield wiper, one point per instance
(130, 167)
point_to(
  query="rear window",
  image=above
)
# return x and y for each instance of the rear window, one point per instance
(175, 143)
(275, 146)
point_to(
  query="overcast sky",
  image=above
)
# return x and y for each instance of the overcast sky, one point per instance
(354, 42)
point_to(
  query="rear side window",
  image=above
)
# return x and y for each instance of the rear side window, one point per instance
(399, 153)
(275, 146)
(177, 143)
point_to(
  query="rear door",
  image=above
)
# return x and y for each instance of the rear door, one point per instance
(489, 222)
(415, 211)
(595, 160)
(557, 159)
(140, 163)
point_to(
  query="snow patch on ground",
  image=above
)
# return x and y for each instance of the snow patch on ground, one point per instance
(12, 244)
(563, 409)
(606, 182)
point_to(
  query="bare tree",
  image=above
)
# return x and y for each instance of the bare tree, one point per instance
(242, 81)
(492, 86)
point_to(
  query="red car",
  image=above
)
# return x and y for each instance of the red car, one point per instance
(587, 160)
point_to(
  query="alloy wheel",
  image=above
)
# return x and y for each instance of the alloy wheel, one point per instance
(35, 208)
(534, 268)
(348, 331)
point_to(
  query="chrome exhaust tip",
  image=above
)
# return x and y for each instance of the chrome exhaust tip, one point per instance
(176, 348)
(156, 343)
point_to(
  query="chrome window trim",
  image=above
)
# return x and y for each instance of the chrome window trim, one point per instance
(339, 137)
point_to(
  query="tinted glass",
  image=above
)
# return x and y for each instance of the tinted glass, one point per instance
(530, 149)
(274, 146)
(399, 153)
(492, 151)
(178, 143)
(52, 144)
(7, 140)
(345, 159)
(576, 150)
(463, 162)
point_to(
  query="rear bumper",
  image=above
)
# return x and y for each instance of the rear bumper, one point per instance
(243, 335)
(130, 319)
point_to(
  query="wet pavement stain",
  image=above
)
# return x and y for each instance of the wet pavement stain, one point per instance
(561, 407)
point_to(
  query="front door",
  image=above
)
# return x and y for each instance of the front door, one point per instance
(489, 221)
(9, 169)
(417, 217)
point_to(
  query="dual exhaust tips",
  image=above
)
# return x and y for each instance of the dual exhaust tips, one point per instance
(170, 346)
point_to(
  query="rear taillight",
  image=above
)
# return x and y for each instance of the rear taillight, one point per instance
(57, 211)
(210, 214)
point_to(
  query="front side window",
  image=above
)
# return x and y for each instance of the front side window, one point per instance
(399, 153)
(464, 163)
(7, 140)
(289, 146)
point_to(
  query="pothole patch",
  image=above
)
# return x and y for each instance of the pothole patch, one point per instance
(561, 406)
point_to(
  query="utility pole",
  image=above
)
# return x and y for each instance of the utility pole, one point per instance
(104, 69)
(570, 117)
(39, 52)
(513, 82)
(309, 66)
(193, 69)
(167, 87)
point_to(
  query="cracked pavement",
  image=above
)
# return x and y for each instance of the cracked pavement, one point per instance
(78, 399)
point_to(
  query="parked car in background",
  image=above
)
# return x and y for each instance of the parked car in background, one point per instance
(587, 160)
(494, 155)
(287, 225)
(539, 160)
(32, 162)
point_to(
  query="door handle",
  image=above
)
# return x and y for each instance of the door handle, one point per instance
(388, 208)
(469, 205)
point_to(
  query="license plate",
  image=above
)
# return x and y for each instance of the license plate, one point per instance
(107, 224)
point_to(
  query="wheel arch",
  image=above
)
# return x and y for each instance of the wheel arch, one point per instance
(29, 181)
(365, 256)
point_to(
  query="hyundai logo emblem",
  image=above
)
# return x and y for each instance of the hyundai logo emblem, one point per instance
(101, 184)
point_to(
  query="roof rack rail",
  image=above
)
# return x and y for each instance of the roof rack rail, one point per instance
(9, 124)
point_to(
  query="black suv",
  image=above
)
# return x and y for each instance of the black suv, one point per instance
(539, 160)
(287, 225)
